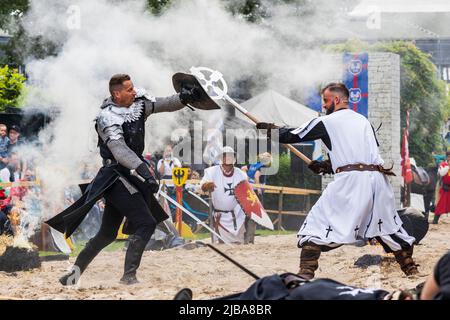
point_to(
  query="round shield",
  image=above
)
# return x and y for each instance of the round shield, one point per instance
(205, 102)
(414, 222)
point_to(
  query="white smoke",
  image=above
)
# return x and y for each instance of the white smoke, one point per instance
(99, 38)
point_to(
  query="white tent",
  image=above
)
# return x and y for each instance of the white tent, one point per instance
(270, 106)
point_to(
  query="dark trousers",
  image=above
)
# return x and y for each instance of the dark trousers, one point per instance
(119, 203)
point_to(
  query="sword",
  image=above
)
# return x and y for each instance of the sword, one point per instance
(217, 92)
(168, 198)
(240, 266)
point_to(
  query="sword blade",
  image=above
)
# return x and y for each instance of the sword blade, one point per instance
(168, 198)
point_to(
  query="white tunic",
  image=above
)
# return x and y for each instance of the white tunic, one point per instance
(357, 203)
(223, 200)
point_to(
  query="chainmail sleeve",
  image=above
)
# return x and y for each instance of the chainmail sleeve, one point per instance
(166, 104)
(123, 154)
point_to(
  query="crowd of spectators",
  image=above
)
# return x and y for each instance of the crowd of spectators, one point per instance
(12, 169)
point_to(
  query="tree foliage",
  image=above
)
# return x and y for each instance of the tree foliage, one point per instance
(421, 91)
(11, 85)
(158, 6)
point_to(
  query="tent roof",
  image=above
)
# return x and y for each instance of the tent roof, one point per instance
(271, 106)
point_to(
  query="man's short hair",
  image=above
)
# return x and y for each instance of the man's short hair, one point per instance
(337, 87)
(15, 128)
(117, 81)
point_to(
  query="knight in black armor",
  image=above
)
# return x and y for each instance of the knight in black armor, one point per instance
(125, 180)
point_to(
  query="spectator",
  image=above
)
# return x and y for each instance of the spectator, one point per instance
(167, 163)
(14, 167)
(443, 204)
(254, 170)
(5, 175)
(14, 135)
(4, 143)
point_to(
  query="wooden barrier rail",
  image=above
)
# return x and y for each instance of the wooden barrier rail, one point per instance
(281, 191)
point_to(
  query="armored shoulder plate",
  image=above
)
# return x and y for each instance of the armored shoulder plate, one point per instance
(108, 118)
(142, 93)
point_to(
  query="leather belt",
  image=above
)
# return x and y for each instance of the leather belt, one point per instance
(365, 167)
(224, 211)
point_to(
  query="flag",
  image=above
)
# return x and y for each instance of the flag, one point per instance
(406, 164)
(356, 78)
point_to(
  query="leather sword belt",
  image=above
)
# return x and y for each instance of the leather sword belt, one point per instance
(365, 167)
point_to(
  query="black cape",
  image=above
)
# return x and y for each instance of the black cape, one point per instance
(274, 288)
(68, 220)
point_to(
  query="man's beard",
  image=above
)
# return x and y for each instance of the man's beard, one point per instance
(330, 110)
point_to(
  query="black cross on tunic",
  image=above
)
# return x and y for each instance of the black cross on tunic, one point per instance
(356, 232)
(329, 230)
(379, 224)
(230, 189)
(395, 217)
(304, 225)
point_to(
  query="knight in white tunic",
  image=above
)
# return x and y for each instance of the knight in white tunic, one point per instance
(359, 203)
(220, 181)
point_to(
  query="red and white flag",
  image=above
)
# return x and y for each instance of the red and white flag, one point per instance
(406, 164)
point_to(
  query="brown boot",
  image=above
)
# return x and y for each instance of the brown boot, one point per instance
(406, 262)
(309, 260)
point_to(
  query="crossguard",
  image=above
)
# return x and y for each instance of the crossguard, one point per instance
(212, 81)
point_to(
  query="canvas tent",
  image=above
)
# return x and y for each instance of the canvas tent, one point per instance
(271, 106)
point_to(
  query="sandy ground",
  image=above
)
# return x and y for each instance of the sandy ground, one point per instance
(209, 275)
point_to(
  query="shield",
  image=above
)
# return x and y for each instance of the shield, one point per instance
(180, 80)
(250, 204)
(179, 176)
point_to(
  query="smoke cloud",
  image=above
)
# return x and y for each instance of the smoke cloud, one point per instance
(96, 39)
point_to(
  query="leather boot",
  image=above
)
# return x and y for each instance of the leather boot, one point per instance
(406, 262)
(83, 260)
(309, 260)
(133, 257)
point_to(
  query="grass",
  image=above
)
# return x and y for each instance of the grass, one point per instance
(115, 246)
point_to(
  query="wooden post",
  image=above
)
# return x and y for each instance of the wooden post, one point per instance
(408, 195)
(280, 209)
(179, 213)
(211, 217)
(308, 203)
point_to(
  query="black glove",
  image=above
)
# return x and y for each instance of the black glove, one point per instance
(266, 125)
(189, 94)
(149, 178)
(321, 167)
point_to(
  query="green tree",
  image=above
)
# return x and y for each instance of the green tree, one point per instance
(158, 6)
(11, 85)
(421, 91)
(10, 9)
